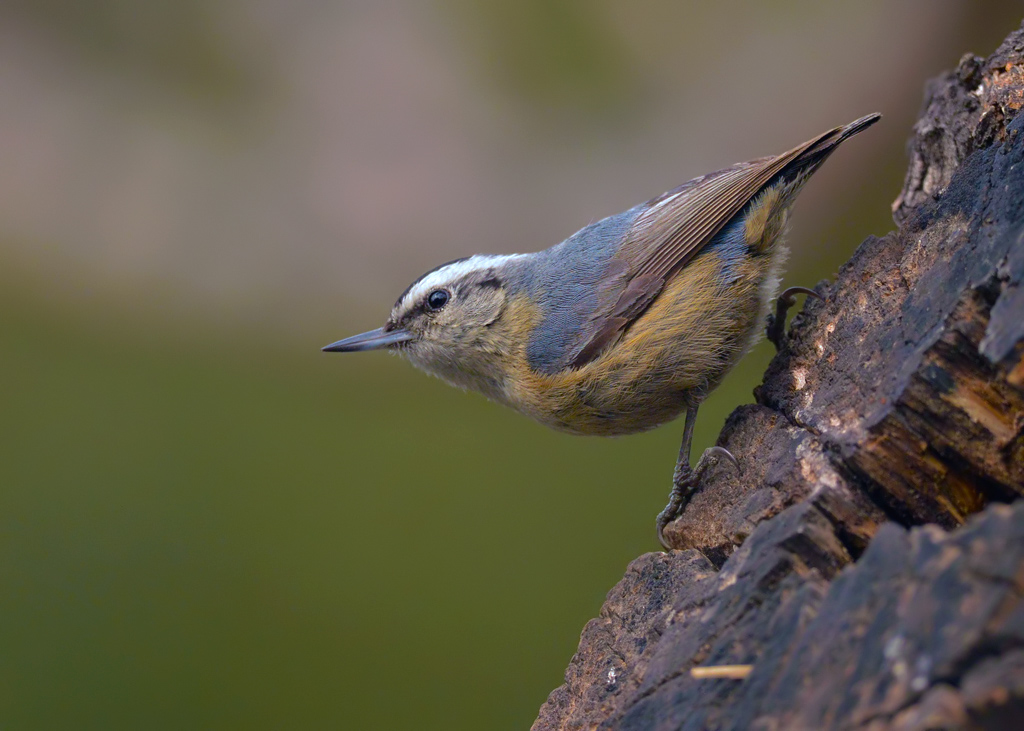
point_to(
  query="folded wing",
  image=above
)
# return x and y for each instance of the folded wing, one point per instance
(677, 226)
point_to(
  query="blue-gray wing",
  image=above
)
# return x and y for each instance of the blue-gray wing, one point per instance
(668, 231)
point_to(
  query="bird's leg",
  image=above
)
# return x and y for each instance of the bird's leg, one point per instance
(777, 322)
(686, 481)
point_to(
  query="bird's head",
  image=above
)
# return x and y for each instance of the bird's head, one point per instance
(449, 323)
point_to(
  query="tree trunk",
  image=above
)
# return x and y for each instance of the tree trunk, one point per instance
(896, 402)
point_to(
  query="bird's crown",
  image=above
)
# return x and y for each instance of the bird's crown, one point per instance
(450, 283)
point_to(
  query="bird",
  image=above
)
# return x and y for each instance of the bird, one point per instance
(629, 322)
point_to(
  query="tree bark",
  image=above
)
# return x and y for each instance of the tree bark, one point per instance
(868, 558)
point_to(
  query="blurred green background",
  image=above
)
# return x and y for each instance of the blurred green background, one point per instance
(207, 523)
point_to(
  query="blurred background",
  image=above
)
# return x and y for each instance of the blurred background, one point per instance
(205, 522)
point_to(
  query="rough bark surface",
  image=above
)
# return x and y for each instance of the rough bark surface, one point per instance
(868, 558)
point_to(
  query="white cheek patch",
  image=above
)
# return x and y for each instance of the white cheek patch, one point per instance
(447, 276)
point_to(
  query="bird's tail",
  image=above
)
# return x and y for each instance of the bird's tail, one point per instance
(827, 143)
(858, 125)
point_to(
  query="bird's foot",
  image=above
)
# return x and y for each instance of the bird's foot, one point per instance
(685, 483)
(777, 321)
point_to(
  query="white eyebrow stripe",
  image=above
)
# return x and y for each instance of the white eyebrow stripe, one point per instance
(451, 273)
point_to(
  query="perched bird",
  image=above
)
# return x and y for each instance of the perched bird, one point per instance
(629, 322)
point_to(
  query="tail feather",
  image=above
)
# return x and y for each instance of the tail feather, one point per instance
(815, 155)
(856, 126)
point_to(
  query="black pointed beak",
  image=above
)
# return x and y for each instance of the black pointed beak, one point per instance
(373, 340)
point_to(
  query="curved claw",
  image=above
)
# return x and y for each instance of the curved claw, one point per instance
(790, 293)
(721, 453)
(777, 321)
(661, 538)
(687, 482)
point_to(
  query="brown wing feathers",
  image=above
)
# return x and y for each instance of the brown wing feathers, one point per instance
(678, 225)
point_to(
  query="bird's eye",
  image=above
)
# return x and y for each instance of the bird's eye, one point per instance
(437, 299)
